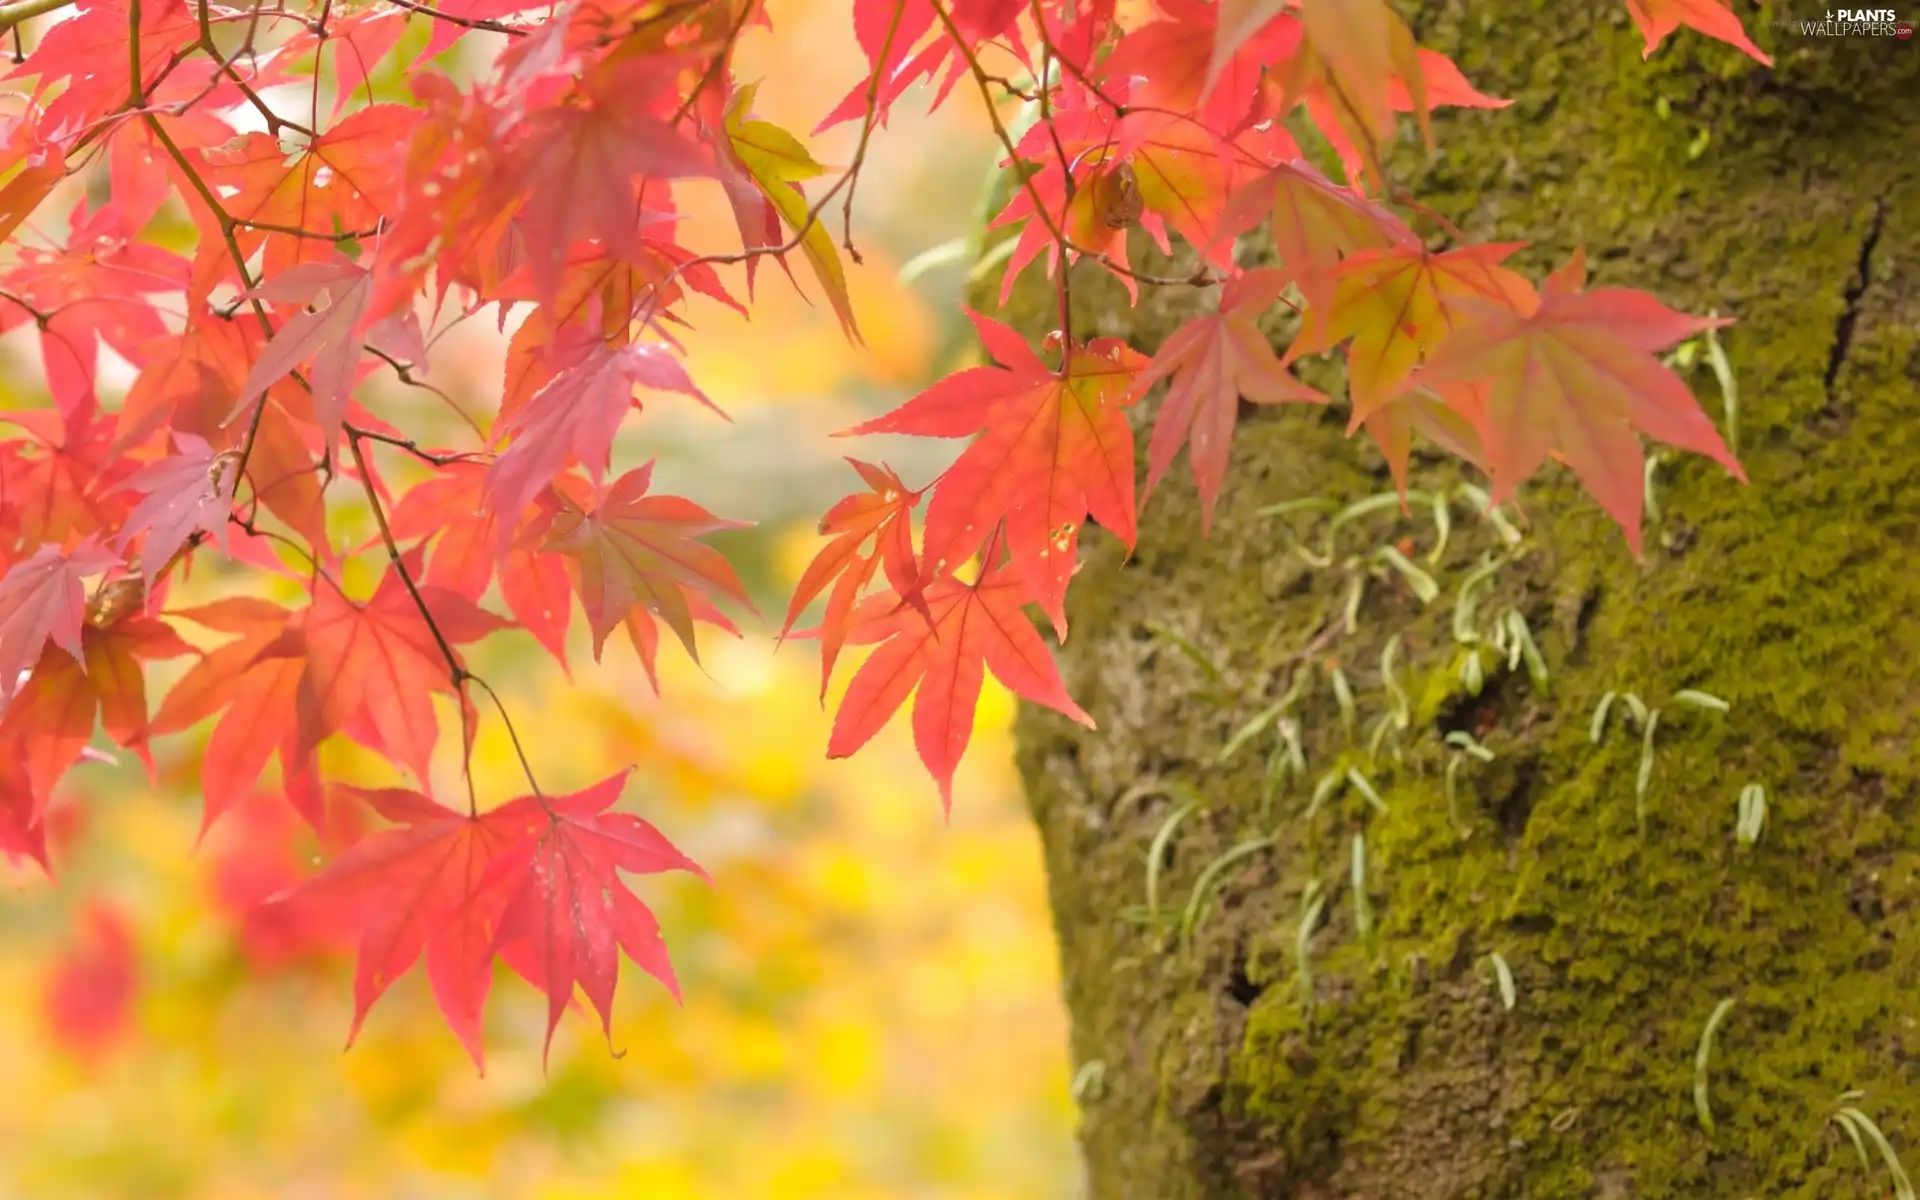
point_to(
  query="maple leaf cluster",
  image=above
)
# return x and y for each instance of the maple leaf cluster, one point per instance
(335, 238)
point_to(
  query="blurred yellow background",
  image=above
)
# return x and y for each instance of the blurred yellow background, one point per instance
(871, 995)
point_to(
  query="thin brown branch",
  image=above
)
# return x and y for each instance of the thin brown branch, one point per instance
(800, 234)
(275, 122)
(137, 94)
(39, 318)
(457, 672)
(479, 26)
(410, 446)
(714, 68)
(1064, 286)
(227, 225)
(866, 132)
(1067, 250)
(406, 376)
(25, 10)
(513, 735)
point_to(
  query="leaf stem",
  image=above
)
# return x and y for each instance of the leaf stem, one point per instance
(367, 482)
(25, 10)
(513, 735)
(455, 671)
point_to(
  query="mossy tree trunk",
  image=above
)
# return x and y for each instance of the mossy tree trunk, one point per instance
(1235, 1039)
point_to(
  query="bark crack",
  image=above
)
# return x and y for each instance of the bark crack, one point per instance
(1856, 289)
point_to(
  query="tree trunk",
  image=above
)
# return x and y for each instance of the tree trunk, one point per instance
(1509, 998)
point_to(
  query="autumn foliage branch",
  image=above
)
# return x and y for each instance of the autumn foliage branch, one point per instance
(258, 267)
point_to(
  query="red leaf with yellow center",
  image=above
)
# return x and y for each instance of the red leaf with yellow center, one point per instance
(1397, 304)
(634, 551)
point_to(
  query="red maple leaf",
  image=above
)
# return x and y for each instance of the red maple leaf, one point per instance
(419, 888)
(577, 415)
(340, 184)
(331, 337)
(571, 915)
(1353, 52)
(254, 692)
(1215, 361)
(369, 669)
(88, 53)
(535, 880)
(42, 599)
(1444, 86)
(188, 492)
(1172, 64)
(897, 67)
(577, 164)
(42, 162)
(96, 291)
(1393, 424)
(1657, 18)
(360, 40)
(593, 313)
(1316, 222)
(1065, 185)
(54, 712)
(70, 483)
(1397, 304)
(1182, 171)
(643, 631)
(634, 552)
(1575, 377)
(1055, 449)
(194, 383)
(141, 172)
(293, 678)
(974, 627)
(449, 218)
(23, 835)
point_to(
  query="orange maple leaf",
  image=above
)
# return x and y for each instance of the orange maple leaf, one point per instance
(883, 515)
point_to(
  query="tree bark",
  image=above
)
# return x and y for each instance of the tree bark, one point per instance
(1508, 1000)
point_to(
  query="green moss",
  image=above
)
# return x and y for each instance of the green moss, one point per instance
(1793, 598)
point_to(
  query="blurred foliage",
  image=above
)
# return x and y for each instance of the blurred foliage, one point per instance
(871, 996)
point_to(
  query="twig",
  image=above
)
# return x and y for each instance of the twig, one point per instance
(457, 672)
(481, 26)
(866, 132)
(25, 10)
(512, 735)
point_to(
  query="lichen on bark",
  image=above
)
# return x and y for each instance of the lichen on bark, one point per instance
(1388, 1064)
